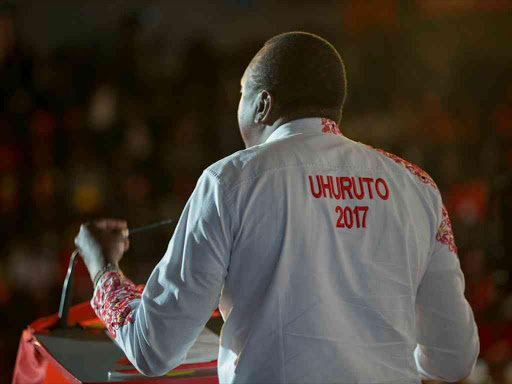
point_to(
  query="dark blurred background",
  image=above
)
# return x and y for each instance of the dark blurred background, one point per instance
(113, 108)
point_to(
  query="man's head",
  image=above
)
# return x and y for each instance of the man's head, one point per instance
(294, 75)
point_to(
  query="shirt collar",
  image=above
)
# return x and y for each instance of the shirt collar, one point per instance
(307, 125)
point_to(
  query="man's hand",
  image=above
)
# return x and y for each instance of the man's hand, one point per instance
(102, 242)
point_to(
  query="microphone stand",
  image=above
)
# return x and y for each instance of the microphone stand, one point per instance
(67, 292)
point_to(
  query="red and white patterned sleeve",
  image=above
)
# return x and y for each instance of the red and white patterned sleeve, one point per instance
(113, 298)
(447, 336)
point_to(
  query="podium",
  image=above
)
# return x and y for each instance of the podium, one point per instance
(85, 353)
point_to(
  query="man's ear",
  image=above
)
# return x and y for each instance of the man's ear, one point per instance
(265, 107)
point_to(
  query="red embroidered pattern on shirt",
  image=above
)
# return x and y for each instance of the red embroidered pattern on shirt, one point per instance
(330, 126)
(414, 169)
(445, 232)
(112, 298)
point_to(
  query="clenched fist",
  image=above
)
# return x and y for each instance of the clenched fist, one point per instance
(102, 242)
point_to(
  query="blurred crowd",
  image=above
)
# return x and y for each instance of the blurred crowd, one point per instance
(105, 129)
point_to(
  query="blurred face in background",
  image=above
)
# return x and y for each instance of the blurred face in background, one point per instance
(6, 35)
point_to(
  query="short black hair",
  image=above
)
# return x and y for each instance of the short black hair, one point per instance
(304, 72)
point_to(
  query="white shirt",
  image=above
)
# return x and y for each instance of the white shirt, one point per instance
(330, 262)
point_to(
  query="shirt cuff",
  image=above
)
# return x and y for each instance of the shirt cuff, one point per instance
(112, 297)
(107, 268)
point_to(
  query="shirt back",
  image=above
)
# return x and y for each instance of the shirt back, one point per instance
(331, 240)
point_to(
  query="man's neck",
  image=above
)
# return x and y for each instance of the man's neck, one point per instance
(269, 129)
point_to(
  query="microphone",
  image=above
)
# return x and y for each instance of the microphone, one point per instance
(127, 232)
(67, 288)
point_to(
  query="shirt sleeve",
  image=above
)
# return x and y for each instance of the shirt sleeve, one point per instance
(447, 335)
(156, 329)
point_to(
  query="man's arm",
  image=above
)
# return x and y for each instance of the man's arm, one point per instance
(156, 329)
(447, 336)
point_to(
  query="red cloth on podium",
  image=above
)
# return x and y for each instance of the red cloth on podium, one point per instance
(30, 365)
